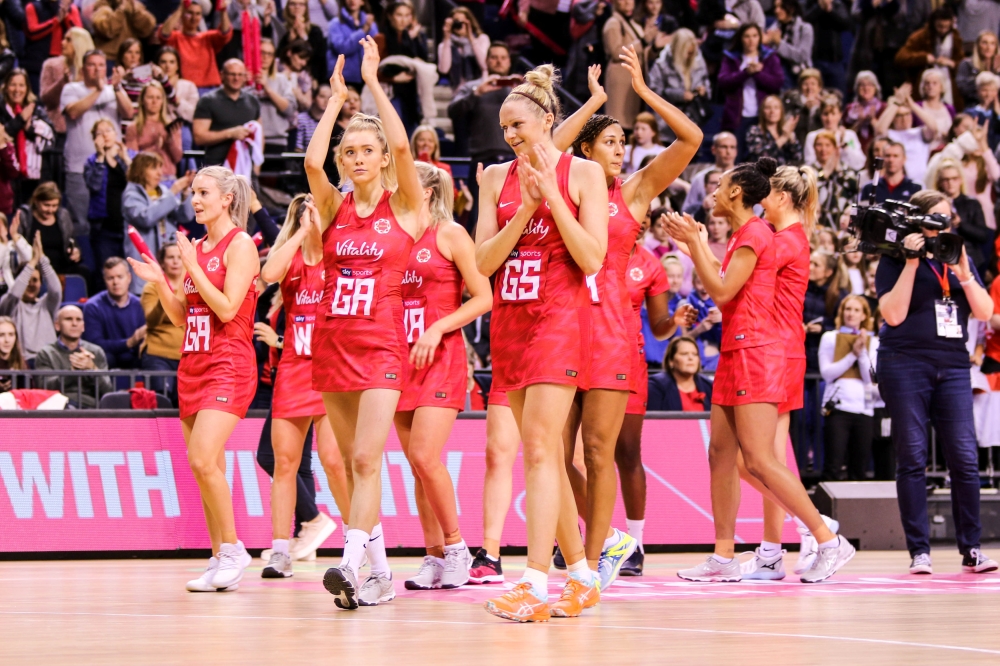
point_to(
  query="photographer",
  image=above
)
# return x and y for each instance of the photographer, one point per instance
(923, 371)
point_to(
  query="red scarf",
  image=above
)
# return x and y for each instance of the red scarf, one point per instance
(22, 144)
(251, 46)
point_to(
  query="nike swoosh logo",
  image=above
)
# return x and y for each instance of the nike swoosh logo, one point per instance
(294, 278)
(505, 204)
(341, 226)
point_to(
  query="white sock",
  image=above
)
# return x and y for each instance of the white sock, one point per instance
(539, 582)
(581, 571)
(720, 559)
(355, 546)
(376, 552)
(456, 546)
(832, 543)
(280, 546)
(611, 540)
(769, 549)
(635, 528)
(491, 558)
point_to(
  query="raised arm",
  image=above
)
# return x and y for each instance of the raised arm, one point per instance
(327, 197)
(279, 259)
(564, 135)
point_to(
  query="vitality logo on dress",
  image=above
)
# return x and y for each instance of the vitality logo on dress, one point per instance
(189, 287)
(536, 227)
(411, 277)
(349, 249)
(307, 297)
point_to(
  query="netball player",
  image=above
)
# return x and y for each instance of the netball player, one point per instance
(748, 384)
(296, 261)
(791, 208)
(437, 374)
(367, 238)
(217, 376)
(542, 228)
(601, 410)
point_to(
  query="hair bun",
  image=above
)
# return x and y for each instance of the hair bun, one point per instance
(545, 77)
(767, 166)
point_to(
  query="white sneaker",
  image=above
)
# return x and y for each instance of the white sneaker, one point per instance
(204, 582)
(808, 546)
(457, 562)
(713, 571)
(763, 568)
(429, 575)
(921, 564)
(233, 561)
(376, 590)
(292, 545)
(829, 561)
(279, 565)
(312, 535)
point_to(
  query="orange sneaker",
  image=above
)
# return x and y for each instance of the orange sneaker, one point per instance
(520, 605)
(576, 596)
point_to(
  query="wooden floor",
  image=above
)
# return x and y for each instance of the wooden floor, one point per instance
(137, 612)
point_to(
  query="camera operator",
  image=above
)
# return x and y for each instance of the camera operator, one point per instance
(923, 375)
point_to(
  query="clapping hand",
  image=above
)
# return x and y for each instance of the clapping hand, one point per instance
(147, 269)
(594, 82)
(369, 65)
(860, 346)
(632, 63)
(189, 254)
(338, 87)
(531, 197)
(683, 229)
(544, 177)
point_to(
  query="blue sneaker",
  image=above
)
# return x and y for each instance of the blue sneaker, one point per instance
(614, 557)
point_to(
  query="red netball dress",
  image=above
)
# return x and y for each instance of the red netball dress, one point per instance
(752, 360)
(432, 289)
(218, 368)
(301, 294)
(540, 330)
(613, 326)
(791, 249)
(359, 333)
(644, 276)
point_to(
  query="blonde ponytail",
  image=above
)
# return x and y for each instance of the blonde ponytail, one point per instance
(442, 191)
(293, 220)
(801, 184)
(540, 87)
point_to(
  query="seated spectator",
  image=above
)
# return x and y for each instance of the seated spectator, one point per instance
(723, 20)
(896, 122)
(69, 353)
(621, 31)
(718, 234)
(931, 88)
(461, 54)
(11, 356)
(970, 147)
(85, 102)
(680, 76)
(937, 45)
(155, 211)
(197, 48)
(300, 28)
(426, 147)
(837, 184)
(278, 103)
(774, 135)
(352, 106)
(163, 340)
(135, 77)
(45, 23)
(294, 66)
(867, 106)
(853, 266)
(748, 74)
(791, 38)
(24, 122)
(8, 172)
(724, 151)
(220, 115)
(809, 101)
(643, 144)
(968, 220)
(823, 294)
(44, 215)
(152, 132)
(847, 142)
(707, 330)
(14, 250)
(826, 240)
(306, 121)
(114, 317)
(988, 109)
(680, 386)
(105, 176)
(984, 59)
(846, 358)
(59, 70)
(116, 21)
(345, 32)
(33, 313)
(830, 19)
(407, 64)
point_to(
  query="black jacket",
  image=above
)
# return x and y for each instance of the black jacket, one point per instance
(665, 397)
(978, 237)
(828, 27)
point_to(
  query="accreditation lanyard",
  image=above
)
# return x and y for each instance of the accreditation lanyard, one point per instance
(945, 312)
(943, 279)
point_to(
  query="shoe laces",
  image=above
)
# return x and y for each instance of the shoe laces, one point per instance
(428, 565)
(373, 580)
(453, 560)
(923, 558)
(277, 559)
(518, 591)
(228, 559)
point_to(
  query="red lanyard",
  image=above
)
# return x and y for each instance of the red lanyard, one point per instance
(943, 279)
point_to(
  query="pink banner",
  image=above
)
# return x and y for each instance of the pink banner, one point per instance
(104, 484)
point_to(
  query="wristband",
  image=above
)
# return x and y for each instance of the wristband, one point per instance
(969, 281)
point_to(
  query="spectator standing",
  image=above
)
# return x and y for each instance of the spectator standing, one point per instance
(548, 23)
(932, 84)
(980, 170)
(896, 122)
(837, 184)
(893, 182)
(680, 386)
(407, 64)
(104, 173)
(724, 150)
(462, 52)
(8, 173)
(298, 25)
(11, 356)
(846, 358)
(197, 48)
(809, 100)
(847, 141)
(968, 220)
(277, 101)
(85, 102)
(114, 318)
(33, 314)
(59, 70)
(251, 21)
(867, 106)
(830, 20)
(220, 116)
(162, 350)
(55, 224)
(791, 38)
(748, 74)
(822, 297)
(25, 123)
(660, 24)
(937, 45)
(14, 250)
(344, 35)
(774, 135)
(722, 20)
(155, 210)
(984, 59)
(680, 76)
(116, 21)
(621, 31)
(70, 353)
(45, 23)
(718, 231)
(294, 66)
(134, 76)
(151, 130)
(181, 106)
(988, 109)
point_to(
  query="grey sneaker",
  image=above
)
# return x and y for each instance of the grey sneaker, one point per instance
(829, 561)
(279, 565)
(429, 575)
(342, 584)
(377, 589)
(456, 568)
(763, 568)
(976, 561)
(713, 571)
(808, 546)
(921, 564)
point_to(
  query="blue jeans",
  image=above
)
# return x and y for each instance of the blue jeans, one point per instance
(915, 393)
(163, 385)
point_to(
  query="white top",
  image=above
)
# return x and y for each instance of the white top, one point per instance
(79, 143)
(23, 251)
(851, 395)
(634, 158)
(851, 154)
(918, 151)
(749, 90)
(857, 281)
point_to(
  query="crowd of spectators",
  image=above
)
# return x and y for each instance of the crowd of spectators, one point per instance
(102, 98)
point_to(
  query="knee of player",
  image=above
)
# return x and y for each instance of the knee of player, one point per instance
(757, 465)
(366, 464)
(286, 464)
(423, 462)
(541, 453)
(597, 452)
(202, 466)
(627, 456)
